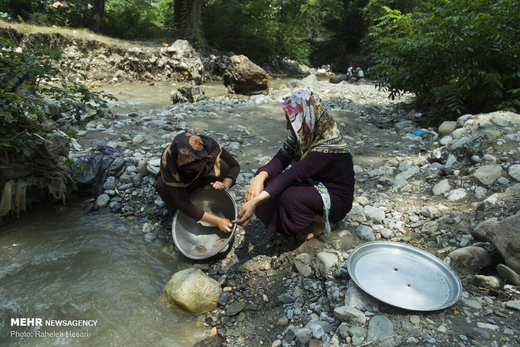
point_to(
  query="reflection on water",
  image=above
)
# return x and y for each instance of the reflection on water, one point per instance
(64, 265)
(141, 97)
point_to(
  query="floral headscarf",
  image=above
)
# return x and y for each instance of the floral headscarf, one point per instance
(314, 128)
(186, 149)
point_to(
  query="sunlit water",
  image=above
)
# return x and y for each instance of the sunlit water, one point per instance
(65, 264)
(62, 263)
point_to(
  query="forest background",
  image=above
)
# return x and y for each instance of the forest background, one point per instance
(456, 56)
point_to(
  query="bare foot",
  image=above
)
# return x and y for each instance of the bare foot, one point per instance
(315, 229)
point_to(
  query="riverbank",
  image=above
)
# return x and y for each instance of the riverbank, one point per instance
(422, 187)
(278, 291)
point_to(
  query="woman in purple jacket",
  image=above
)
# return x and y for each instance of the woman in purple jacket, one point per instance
(317, 189)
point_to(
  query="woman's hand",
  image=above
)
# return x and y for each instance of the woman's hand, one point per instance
(256, 186)
(224, 225)
(248, 208)
(246, 213)
(217, 185)
(225, 184)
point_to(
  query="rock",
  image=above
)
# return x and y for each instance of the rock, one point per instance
(505, 236)
(488, 174)
(374, 213)
(235, 307)
(187, 94)
(191, 291)
(508, 274)
(285, 299)
(337, 78)
(447, 127)
(513, 304)
(380, 329)
(317, 331)
(138, 139)
(141, 167)
(488, 326)
(154, 166)
(471, 258)
(349, 314)
(405, 175)
(430, 227)
(303, 335)
(474, 304)
(102, 200)
(441, 187)
(457, 194)
(302, 263)
(242, 76)
(186, 61)
(365, 233)
(357, 214)
(325, 261)
(514, 171)
(488, 282)
(358, 299)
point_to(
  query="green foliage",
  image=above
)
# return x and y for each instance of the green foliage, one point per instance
(198, 40)
(462, 56)
(22, 92)
(261, 29)
(131, 20)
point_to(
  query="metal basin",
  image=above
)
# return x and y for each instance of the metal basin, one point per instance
(198, 240)
(404, 276)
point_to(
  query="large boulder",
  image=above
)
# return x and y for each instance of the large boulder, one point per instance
(338, 78)
(242, 76)
(505, 236)
(185, 61)
(191, 291)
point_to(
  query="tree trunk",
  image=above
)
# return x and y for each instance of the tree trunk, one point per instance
(97, 14)
(186, 14)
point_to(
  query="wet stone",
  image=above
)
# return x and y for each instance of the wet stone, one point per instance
(235, 307)
(285, 299)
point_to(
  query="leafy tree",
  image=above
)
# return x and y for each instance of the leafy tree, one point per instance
(460, 57)
(131, 20)
(262, 29)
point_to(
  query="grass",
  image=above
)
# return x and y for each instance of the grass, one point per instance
(80, 33)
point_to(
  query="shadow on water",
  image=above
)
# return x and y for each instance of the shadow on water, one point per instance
(63, 264)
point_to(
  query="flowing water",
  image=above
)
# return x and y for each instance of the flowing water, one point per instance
(64, 264)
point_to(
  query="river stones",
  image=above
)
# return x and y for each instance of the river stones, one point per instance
(191, 291)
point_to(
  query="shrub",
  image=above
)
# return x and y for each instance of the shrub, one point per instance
(22, 94)
(460, 57)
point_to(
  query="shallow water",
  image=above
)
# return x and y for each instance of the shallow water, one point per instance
(63, 264)
(142, 97)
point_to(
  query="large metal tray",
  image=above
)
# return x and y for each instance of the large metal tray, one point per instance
(404, 276)
(198, 240)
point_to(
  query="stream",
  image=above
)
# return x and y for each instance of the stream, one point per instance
(64, 265)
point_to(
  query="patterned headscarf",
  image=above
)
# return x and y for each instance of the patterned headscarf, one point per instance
(314, 129)
(186, 149)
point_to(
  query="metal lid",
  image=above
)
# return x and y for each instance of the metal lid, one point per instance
(404, 276)
(199, 240)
